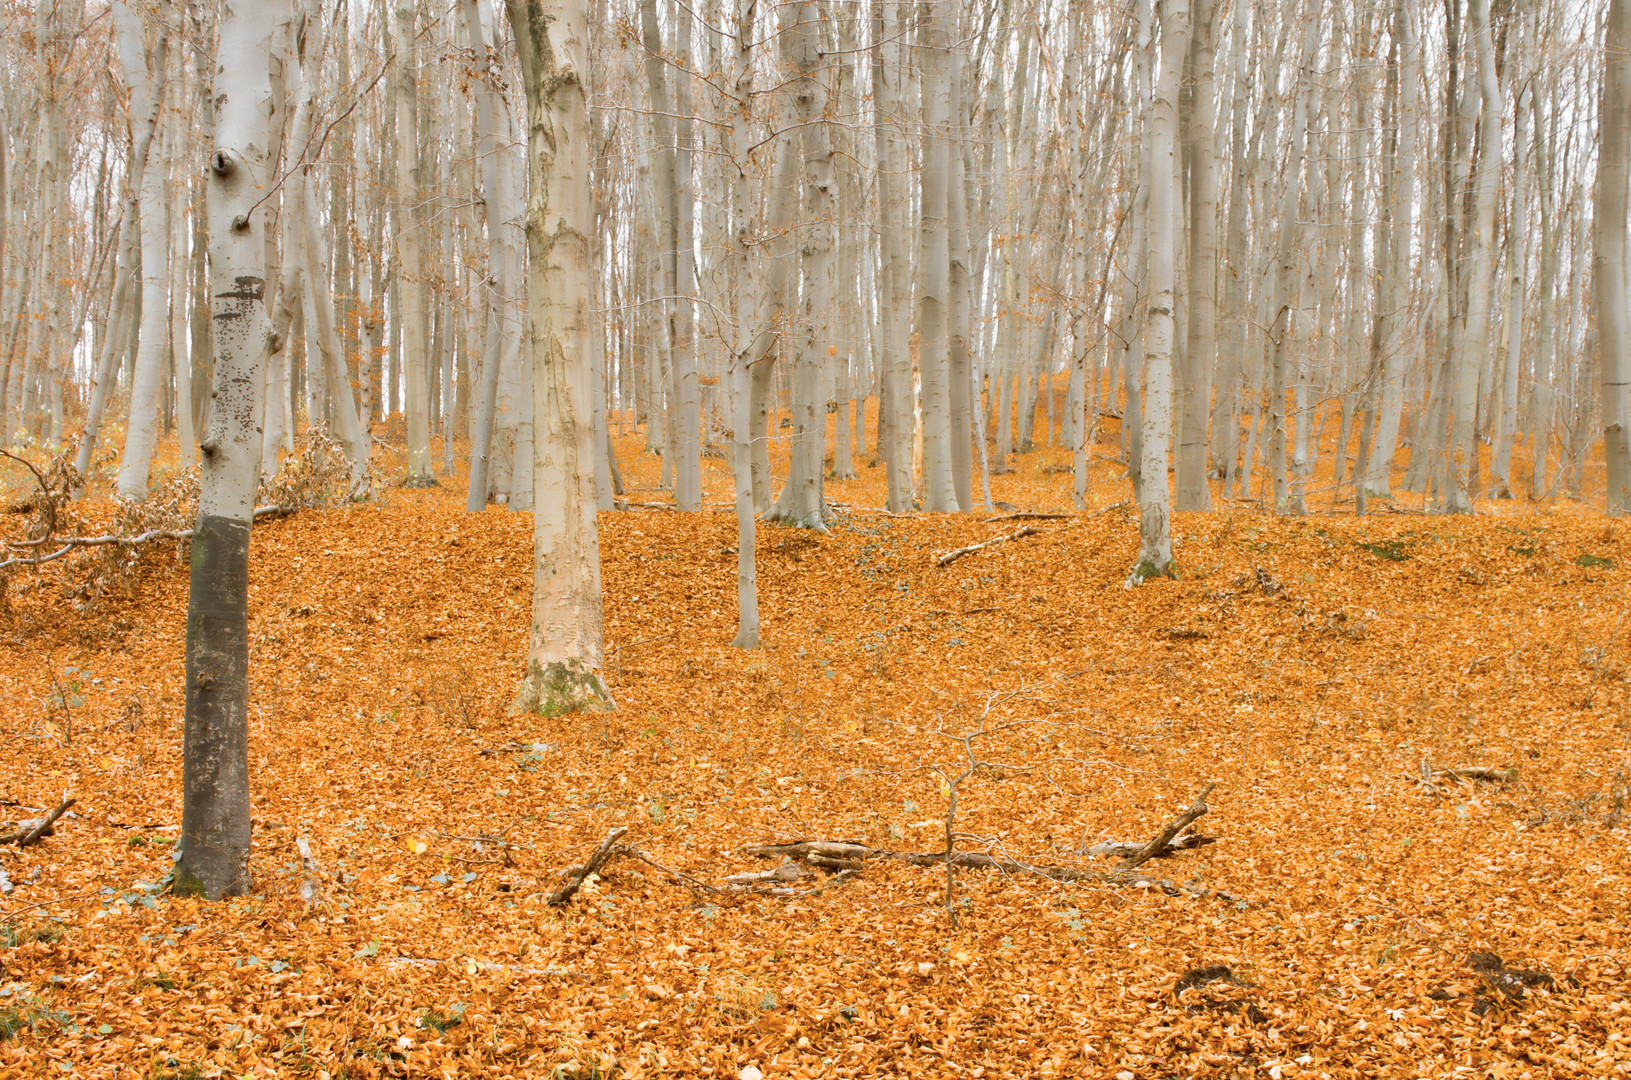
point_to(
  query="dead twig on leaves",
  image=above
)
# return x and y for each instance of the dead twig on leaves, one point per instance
(610, 849)
(1121, 849)
(578, 874)
(67, 544)
(1025, 515)
(1160, 840)
(1431, 779)
(853, 857)
(949, 557)
(30, 832)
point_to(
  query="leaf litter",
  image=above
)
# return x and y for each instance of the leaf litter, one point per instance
(1419, 812)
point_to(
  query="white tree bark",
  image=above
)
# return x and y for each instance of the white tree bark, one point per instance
(1395, 315)
(154, 215)
(744, 280)
(1155, 496)
(565, 643)
(1474, 345)
(410, 257)
(1194, 490)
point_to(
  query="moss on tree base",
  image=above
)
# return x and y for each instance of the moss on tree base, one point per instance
(558, 688)
(1147, 570)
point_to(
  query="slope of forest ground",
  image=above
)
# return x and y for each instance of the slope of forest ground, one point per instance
(1313, 669)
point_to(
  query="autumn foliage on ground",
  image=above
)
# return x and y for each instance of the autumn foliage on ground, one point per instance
(1365, 909)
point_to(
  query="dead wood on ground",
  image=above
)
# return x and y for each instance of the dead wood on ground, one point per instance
(948, 557)
(30, 832)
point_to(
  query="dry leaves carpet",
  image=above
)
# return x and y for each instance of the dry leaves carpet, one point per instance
(1386, 917)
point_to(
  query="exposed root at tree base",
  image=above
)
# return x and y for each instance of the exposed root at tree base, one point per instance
(560, 687)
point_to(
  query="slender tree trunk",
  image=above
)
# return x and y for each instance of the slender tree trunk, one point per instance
(1471, 356)
(1540, 401)
(744, 281)
(154, 215)
(1608, 255)
(1155, 496)
(410, 238)
(1194, 492)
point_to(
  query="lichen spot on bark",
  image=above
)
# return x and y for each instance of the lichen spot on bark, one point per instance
(558, 688)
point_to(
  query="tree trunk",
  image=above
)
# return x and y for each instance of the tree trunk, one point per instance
(215, 822)
(565, 645)
(1155, 497)
(410, 240)
(1608, 255)
(1194, 491)
(154, 217)
(744, 280)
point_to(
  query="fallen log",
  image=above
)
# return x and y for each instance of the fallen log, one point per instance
(1430, 778)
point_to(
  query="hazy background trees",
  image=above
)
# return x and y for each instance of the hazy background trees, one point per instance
(1383, 245)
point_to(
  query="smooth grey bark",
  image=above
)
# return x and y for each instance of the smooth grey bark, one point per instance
(1155, 496)
(1609, 253)
(801, 502)
(503, 256)
(744, 282)
(934, 261)
(1470, 356)
(895, 362)
(1285, 297)
(566, 643)
(1540, 399)
(1504, 433)
(215, 812)
(144, 76)
(1193, 490)
(410, 240)
(1394, 316)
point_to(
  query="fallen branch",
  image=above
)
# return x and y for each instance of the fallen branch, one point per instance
(684, 879)
(1430, 778)
(30, 832)
(1025, 515)
(1177, 825)
(953, 556)
(578, 874)
(1122, 849)
(72, 543)
(849, 857)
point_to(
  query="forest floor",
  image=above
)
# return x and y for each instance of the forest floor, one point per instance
(1351, 919)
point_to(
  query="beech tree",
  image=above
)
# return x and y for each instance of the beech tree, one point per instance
(215, 821)
(1391, 235)
(565, 645)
